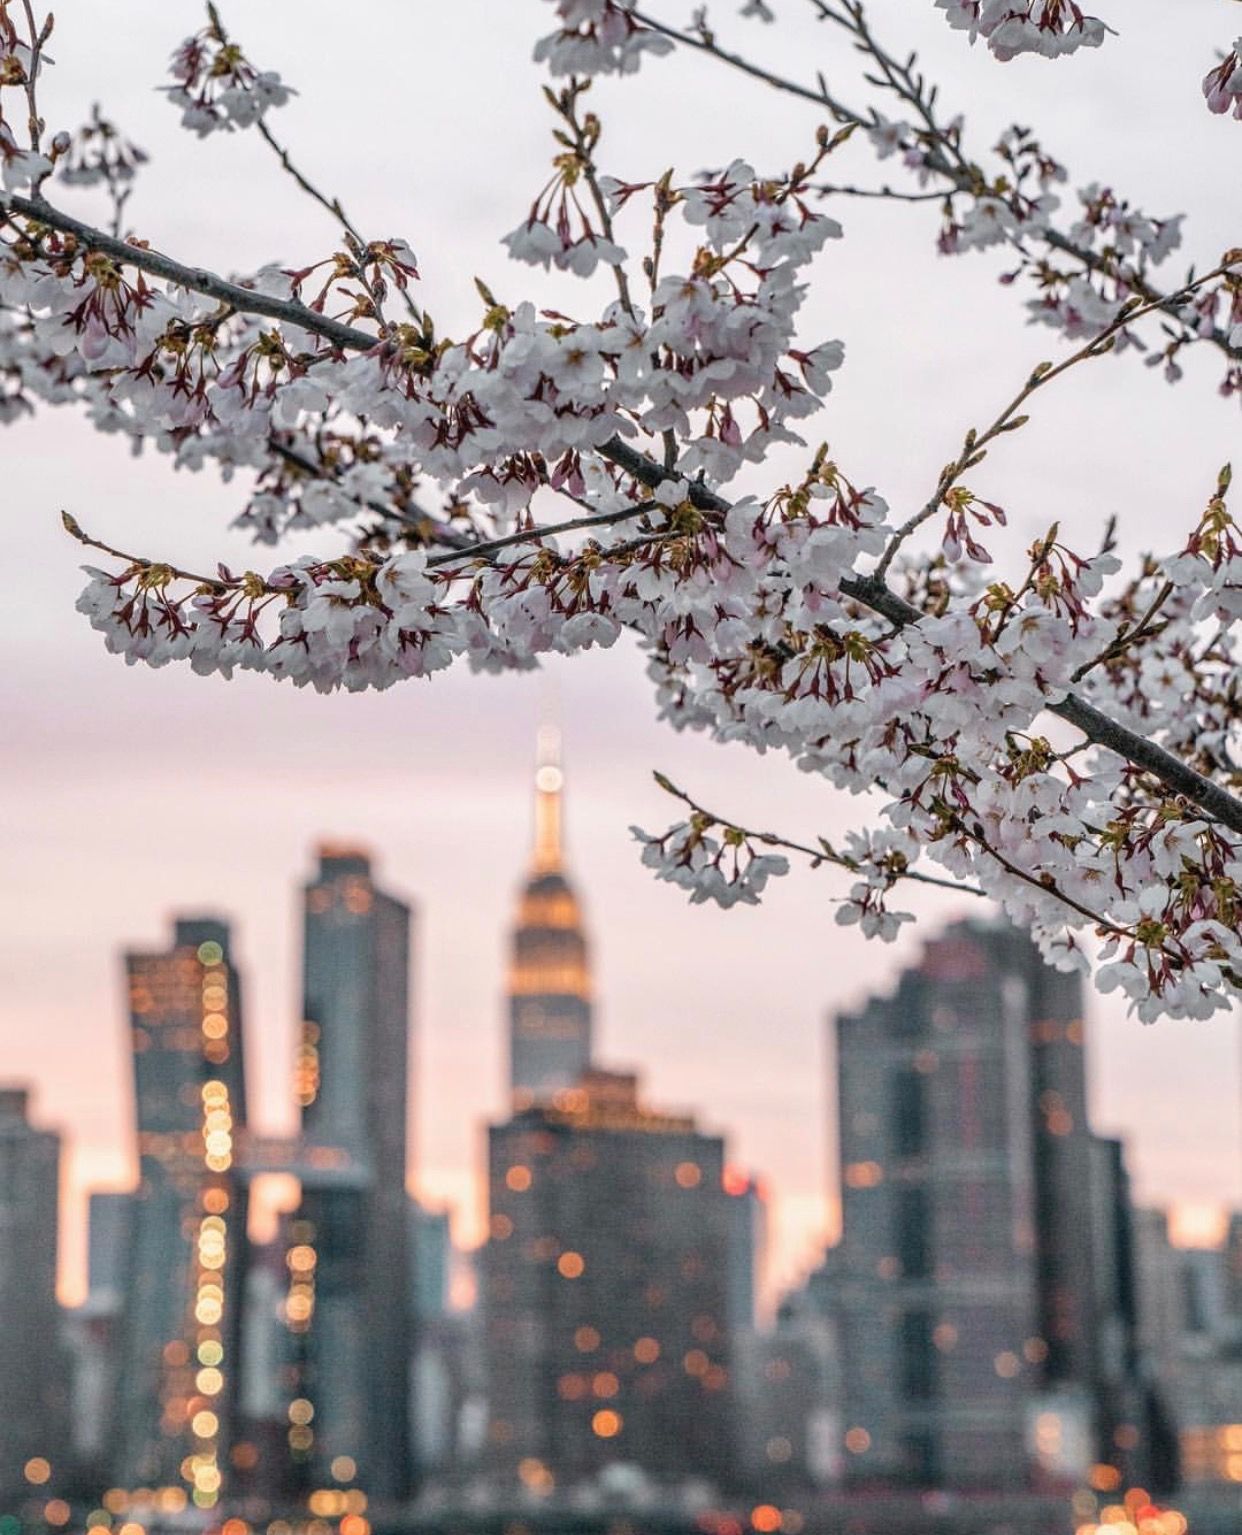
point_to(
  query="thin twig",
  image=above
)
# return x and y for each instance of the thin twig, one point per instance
(975, 444)
(824, 853)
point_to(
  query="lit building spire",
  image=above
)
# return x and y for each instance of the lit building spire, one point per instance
(548, 782)
(549, 983)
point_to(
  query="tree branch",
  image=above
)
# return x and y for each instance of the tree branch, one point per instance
(870, 591)
(196, 279)
(824, 853)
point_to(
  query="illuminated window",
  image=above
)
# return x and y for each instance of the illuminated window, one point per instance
(606, 1424)
(863, 1175)
(534, 1475)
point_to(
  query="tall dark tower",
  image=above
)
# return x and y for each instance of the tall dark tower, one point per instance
(348, 1258)
(180, 1333)
(981, 1309)
(32, 1374)
(549, 973)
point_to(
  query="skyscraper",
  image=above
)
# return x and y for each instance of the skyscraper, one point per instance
(348, 1306)
(604, 1290)
(180, 1334)
(968, 1280)
(33, 1379)
(549, 972)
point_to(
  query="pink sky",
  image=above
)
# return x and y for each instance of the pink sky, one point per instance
(134, 794)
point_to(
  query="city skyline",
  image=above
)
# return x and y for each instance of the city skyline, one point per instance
(433, 778)
(1195, 1221)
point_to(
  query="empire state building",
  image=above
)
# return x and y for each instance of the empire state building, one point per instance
(549, 973)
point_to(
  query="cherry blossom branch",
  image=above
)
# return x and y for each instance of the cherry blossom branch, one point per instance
(419, 521)
(331, 204)
(824, 853)
(585, 136)
(483, 549)
(195, 279)
(175, 572)
(974, 445)
(1130, 637)
(873, 593)
(1043, 883)
(870, 591)
(884, 193)
(488, 547)
(942, 155)
(705, 42)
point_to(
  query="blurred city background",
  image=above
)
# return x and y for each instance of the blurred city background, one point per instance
(275, 1335)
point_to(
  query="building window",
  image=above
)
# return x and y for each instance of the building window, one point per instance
(918, 1358)
(909, 1112)
(913, 1232)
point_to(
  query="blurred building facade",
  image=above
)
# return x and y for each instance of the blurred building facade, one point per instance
(985, 1317)
(1191, 1323)
(179, 1336)
(605, 1293)
(348, 1254)
(34, 1422)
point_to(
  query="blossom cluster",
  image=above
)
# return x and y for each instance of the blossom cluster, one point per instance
(598, 37)
(216, 86)
(1222, 86)
(1062, 741)
(1052, 28)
